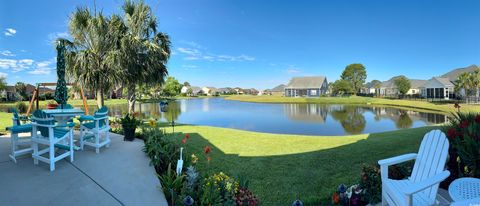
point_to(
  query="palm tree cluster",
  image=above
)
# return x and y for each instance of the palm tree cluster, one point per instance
(106, 51)
(469, 82)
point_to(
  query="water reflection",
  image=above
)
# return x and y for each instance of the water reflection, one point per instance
(352, 117)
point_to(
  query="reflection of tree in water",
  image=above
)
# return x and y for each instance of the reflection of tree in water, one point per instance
(404, 121)
(351, 119)
(173, 111)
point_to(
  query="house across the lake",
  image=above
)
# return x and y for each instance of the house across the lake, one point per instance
(438, 88)
(313, 86)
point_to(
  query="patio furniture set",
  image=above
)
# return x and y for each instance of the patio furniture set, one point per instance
(50, 131)
(428, 171)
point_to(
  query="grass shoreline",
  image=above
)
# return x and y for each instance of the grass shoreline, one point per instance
(356, 100)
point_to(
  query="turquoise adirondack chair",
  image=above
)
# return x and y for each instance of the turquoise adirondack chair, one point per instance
(92, 128)
(429, 170)
(54, 136)
(16, 141)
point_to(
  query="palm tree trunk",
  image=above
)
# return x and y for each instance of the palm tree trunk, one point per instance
(132, 98)
(100, 99)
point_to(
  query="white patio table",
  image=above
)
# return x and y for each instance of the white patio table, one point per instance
(63, 115)
(463, 189)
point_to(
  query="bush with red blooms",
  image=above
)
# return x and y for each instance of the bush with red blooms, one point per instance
(245, 198)
(463, 132)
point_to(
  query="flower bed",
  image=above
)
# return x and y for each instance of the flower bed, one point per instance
(186, 185)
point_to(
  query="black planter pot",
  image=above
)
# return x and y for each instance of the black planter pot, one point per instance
(129, 134)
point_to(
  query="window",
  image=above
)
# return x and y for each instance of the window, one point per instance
(313, 92)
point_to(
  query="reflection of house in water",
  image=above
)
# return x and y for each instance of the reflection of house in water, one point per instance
(306, 112)
(395, 115)
(205, 106)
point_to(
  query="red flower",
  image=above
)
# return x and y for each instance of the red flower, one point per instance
(335, 198)
(477, 119)
(184, 141)
(464, 124)
(452, 133)
(207, 149)
(187, 136)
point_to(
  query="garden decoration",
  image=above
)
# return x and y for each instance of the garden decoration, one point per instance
(297, 203)
(61, 92)
(180, 163)
(188, 201)
(163, 108)
(342, 194)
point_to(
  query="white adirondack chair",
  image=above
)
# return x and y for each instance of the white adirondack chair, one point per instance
(45, 132)
(429, 170)
(91, 128)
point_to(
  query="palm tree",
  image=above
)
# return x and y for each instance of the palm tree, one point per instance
(475, 82)
(144, 50)
(92, 55)
(463, 82)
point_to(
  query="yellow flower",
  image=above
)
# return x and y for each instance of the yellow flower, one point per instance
(152, 123)
(194, 159)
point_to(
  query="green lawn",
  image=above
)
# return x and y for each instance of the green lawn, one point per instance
(413, 104)
(282, 167)
(5, 121)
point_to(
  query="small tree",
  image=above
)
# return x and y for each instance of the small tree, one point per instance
(186, 84)
(3, 84)
(21, 89)
(341, 87)
(376, 84)
(171, 87)
(403, 84)
(355, 74)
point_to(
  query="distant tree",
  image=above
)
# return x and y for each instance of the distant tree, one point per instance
(21, 89)
(189, 92)
(341, 87)
(463, 82)
(3, 83)
(171, 87)
(474, 82)
(186, 84)
(403, 84)
(355, 74)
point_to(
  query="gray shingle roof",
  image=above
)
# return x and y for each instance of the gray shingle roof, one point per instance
(453, 75)
(279, 88)
(444, 81)
(306, 82)
(414, 83)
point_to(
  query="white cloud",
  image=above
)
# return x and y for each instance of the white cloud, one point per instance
(54, 36)
(43, 67)
(293, 70)
(3, 74)
(41, 71)
(196, 54)
(17, 65)
(7, 53)
(10, 32)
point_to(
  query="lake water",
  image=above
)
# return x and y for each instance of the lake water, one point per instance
(306, 119)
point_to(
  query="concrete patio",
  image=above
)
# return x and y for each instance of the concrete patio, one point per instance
(119, 175)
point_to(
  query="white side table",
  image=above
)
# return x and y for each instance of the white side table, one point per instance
(464, 189)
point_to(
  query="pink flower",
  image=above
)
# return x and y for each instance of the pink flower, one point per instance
(184, 140)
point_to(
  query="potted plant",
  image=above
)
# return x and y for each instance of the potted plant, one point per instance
(129, 125)
(51, 104)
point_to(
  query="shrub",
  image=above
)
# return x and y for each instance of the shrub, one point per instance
(371, 184)
(463, 133)
(21, 107)
(171, 185)
(161, 149)
(219, 187)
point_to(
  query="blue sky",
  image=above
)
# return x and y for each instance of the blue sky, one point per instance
(261, 44)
